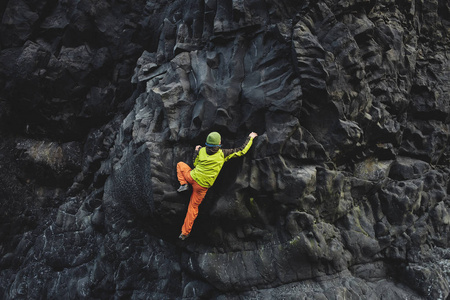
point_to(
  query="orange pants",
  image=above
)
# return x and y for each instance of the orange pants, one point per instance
(198, 193)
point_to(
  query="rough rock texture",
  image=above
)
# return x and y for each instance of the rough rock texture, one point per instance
(344, 194)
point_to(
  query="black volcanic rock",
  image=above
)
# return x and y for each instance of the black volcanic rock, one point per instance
(344, 193)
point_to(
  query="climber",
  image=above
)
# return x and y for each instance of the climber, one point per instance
(208, 162)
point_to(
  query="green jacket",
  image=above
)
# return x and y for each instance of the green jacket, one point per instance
(209, 161)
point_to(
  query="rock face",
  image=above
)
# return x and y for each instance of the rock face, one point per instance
(344, 194)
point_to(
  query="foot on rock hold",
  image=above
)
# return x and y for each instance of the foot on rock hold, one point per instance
(183, 188)
(183, 237)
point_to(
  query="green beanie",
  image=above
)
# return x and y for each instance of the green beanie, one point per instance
(213, 139)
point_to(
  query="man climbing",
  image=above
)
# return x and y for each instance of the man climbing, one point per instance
(208, 162)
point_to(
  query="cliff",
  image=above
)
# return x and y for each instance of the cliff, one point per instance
(344, 194)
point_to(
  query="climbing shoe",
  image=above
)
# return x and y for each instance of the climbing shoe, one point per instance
(183, 237)
(183, 188)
